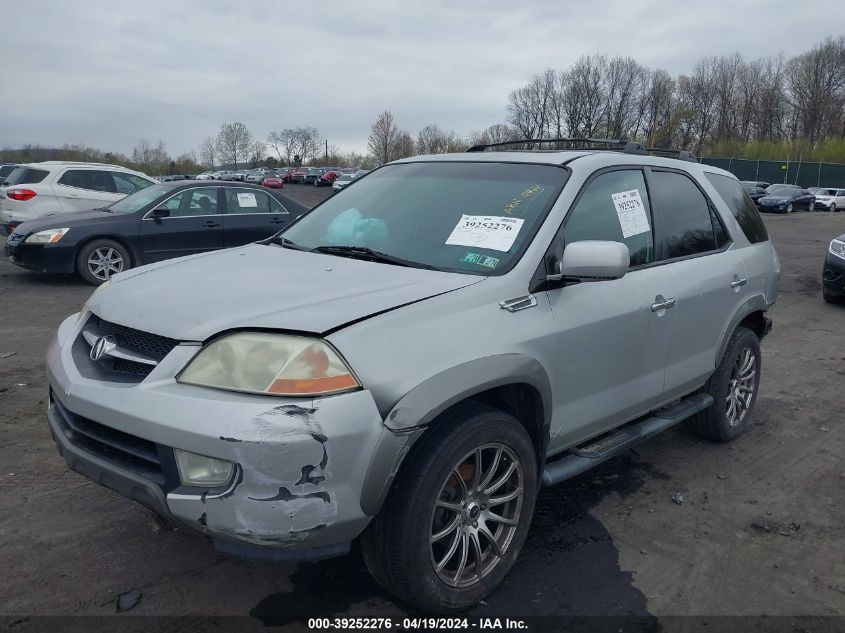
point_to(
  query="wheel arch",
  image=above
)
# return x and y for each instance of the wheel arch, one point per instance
(134, 260)
(752, 314)
(513, 383)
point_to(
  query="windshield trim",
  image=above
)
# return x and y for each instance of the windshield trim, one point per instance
(498, 272)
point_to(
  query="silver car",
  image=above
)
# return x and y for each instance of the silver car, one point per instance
(409, 362)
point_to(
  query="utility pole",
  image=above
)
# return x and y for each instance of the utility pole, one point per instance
(327, 153)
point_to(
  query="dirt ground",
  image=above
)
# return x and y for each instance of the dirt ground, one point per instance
(760, 531)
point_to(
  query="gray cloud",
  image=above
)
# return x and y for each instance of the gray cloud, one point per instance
(107, 73)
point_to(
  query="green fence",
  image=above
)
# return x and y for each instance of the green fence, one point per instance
(792, 172)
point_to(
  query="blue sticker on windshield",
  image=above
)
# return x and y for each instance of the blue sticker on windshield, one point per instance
(481, 260)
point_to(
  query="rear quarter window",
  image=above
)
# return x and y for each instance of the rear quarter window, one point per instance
(741, 206)
(26, 176)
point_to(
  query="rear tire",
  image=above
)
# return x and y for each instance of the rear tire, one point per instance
(734, 386)
(440, 513)
(99, 259)
(829, 298)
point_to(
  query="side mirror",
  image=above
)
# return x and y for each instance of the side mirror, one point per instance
(593, 260)
(161, 212)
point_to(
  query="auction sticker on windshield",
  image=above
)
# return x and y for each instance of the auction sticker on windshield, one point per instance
(247, 200)
(632, 215)
(486, 231)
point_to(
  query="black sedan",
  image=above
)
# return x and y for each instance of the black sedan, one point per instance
(755, 192)
(787, 200)
(160, 222)
(833, 274)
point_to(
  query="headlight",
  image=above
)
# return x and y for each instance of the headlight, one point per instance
(273, 364)
(50, 236)
(837, 247)
(198, 470)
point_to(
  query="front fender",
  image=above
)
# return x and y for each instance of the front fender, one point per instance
(407, 420)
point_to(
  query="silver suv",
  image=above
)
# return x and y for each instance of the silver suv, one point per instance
(412, 359)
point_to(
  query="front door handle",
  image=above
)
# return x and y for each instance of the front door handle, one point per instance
(277, 221)
(210, 224)
(661, 304)
(739, 281)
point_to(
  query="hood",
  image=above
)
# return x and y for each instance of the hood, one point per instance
(64, 220)
(258, 286)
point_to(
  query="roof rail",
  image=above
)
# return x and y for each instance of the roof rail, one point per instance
(624, 145)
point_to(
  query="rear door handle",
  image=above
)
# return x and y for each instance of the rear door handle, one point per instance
(210, 224)
(276, 221)
(661, 304)
(739, 281)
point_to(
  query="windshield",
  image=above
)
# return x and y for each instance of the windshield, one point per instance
(345, 177)
(456, 216)
(784, 192)
(139, 199)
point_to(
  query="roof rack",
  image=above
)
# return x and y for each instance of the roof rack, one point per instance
(597, 144)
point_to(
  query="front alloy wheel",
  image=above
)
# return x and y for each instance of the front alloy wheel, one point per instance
(105, 262)
(476, 514)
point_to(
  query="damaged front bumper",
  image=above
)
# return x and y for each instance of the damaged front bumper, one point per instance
(300, 465)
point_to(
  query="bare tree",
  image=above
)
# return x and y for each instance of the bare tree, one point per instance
(235, 143)
(151, 158)
(816, 84)
(257, 153)
(208, 152)
(432, 140)
(285, 143)
(403, 146)
(383, 133)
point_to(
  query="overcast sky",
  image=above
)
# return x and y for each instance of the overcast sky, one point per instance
(106, 73)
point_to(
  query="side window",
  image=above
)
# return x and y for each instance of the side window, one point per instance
(612, 201)
(686, 215)
(128, 183)
(741, 206)
(91, 179)
(193, 202)
(248, 201)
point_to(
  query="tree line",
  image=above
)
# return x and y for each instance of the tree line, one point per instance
(769, 108)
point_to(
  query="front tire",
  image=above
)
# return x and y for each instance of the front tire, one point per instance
(454, 523)
(98, 260)
(734, 386)
(789, 208)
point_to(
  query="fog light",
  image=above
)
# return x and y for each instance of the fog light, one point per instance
(198, 470)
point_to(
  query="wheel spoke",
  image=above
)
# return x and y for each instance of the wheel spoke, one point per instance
(476, 553)
(510, 496)
(454, 507)
(501, 480)
(463, 561)
(453, 547)
(439, 536)
(498, 518)
(489, 536)
(476, 474)
(493, 468)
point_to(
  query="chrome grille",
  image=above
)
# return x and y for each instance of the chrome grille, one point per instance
(148, 344)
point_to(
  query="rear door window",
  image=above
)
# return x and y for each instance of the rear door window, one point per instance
(250, 201)
(741, 206)
(690, 226)
(25, 176)
(91, 179)
(128, 183)
(600, 214)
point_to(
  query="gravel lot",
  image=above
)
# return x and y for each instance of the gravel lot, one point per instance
(759, 532)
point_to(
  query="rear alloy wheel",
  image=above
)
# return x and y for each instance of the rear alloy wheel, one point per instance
(97, 261)
(458, 514)
(734, 387)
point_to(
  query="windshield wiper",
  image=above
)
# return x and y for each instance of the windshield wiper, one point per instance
(362, 252)
(286, 243)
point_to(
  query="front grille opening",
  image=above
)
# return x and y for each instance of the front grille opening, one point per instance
(128, 451)
(152, 345)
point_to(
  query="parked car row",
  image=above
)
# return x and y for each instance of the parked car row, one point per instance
(785, 198)
(159, 222)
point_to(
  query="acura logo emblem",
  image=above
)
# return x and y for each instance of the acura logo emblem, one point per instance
(102, 347)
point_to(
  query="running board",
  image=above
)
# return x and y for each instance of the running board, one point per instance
(583, 458)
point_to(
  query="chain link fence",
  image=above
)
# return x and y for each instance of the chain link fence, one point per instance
(791, 172)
